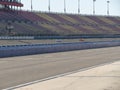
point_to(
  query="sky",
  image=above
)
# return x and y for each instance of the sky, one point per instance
(86, 6)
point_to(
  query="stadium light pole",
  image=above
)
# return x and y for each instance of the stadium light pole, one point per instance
(31, 6)
(94, 7)
(20, 7)
(64, 6)
(108, 7)
(49, 5)
(78, 6)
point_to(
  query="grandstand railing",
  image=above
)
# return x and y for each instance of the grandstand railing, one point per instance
(59, 37)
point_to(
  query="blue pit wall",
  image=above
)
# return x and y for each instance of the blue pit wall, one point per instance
(22, 50)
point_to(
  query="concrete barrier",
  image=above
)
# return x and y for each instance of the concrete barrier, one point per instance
(21, 50)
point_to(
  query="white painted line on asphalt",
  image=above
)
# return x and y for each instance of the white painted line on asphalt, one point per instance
(56, 76)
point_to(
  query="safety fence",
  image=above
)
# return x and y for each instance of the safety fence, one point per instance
(21, 50)
(16, 37)
(59, 37)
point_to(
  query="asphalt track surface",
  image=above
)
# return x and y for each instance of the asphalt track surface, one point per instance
(19, 70)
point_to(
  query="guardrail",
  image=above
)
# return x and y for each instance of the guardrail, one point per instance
(21, 50)
(16, 37)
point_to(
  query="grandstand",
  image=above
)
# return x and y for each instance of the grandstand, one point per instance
(24, 23)
(35, 23)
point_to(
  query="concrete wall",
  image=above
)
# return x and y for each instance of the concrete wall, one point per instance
(20, 50)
